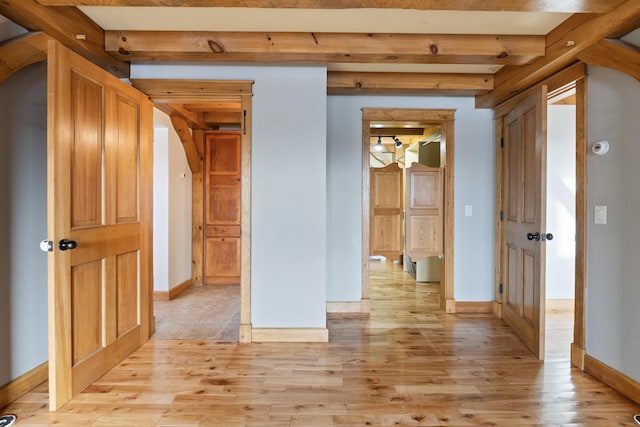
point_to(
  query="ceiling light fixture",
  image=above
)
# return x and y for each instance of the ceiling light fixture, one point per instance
(378, 146)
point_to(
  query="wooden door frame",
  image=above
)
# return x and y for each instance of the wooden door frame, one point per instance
(166, 94)
(438, 117)
(575, 73)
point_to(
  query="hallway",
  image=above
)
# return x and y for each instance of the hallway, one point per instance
(406, 363)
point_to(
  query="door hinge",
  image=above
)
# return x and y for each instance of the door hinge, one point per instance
(502, 142)
(500, 288)
(501, 215)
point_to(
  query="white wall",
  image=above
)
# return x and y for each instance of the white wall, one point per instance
(288, 260)
(23, 222)
(561, 201)
(171, 207)
(613, 267)
(474, 185)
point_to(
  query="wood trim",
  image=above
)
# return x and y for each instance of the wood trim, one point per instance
(65, 24)
(613, 378)
(15, 389)
(366, 204)
(497, 309)
(197, 213)
(246, 334)
(398, 48)
(570, 74)
(579, 320)
(185, 91)
(472, 307)
(618, 56)
(445, 119)
(290, 335)
(172, 293)
(498, 219)
(512, 80)
(354, 83)
(22, 51)
(577, 356)
(362, 306)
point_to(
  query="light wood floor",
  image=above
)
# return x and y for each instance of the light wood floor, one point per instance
(405, 364)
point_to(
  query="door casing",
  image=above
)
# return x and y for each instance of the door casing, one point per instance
(573, 75)
(435, 117)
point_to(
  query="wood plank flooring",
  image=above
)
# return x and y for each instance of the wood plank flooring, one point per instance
(406, 363)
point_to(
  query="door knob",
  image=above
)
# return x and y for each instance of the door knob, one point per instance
(533, 236)
(547, 236)
(65, 244)
(46, 246)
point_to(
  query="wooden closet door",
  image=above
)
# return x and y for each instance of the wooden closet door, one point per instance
(222, 208)
(386, 211)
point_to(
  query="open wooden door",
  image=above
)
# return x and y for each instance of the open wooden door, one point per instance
(386, 211)
(99, 153)
(524, 205)
(424, 225)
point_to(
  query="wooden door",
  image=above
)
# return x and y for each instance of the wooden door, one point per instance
(524, 204)
(424, 225)
(99, 153)
(386, 211)
(222, 208)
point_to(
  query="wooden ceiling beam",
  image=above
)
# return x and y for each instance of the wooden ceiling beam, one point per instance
(225, 106)
(565, 6)
(339, 82)
(561, 53)
(182, 129)
(22, 51)
(69, 26)
(323, 47)
(624, 58)
(396, 131)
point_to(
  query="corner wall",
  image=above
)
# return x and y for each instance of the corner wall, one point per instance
(474, 185)
(288, 218)
(23, 222)
(171, 207)
(613, 270)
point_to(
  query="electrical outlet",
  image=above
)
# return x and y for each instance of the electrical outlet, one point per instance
(600, 215)
(468, 210)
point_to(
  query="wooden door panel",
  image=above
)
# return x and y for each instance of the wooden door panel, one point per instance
(86, 117)
(424, 224)
(87, 326)
(386, 211)
(222, 208)
(223, 266)
(127, 266)
(524, 187)
(127, 155)
(99, 148)
(224, 205)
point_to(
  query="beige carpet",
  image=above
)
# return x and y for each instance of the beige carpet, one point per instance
(210, 312)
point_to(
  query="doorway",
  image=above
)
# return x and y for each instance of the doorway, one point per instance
(378, 118)
(561, 221)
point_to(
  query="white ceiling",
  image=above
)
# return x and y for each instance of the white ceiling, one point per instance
(325, 20)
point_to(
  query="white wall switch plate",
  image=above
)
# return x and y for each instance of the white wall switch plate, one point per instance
(600, 215)
(468, 210)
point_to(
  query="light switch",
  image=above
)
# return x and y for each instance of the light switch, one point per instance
(468, 210)
(600, 215)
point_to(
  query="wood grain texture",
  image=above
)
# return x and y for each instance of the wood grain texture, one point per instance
(323, 47)
(624, 58)
(406, 363)
(572, 6)
(15, 389)
(561, 53)
(172, 293)
(245, 218)
(64, 24)
(353, 83)
(615, 379)
(22, 51)
(184, 132)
